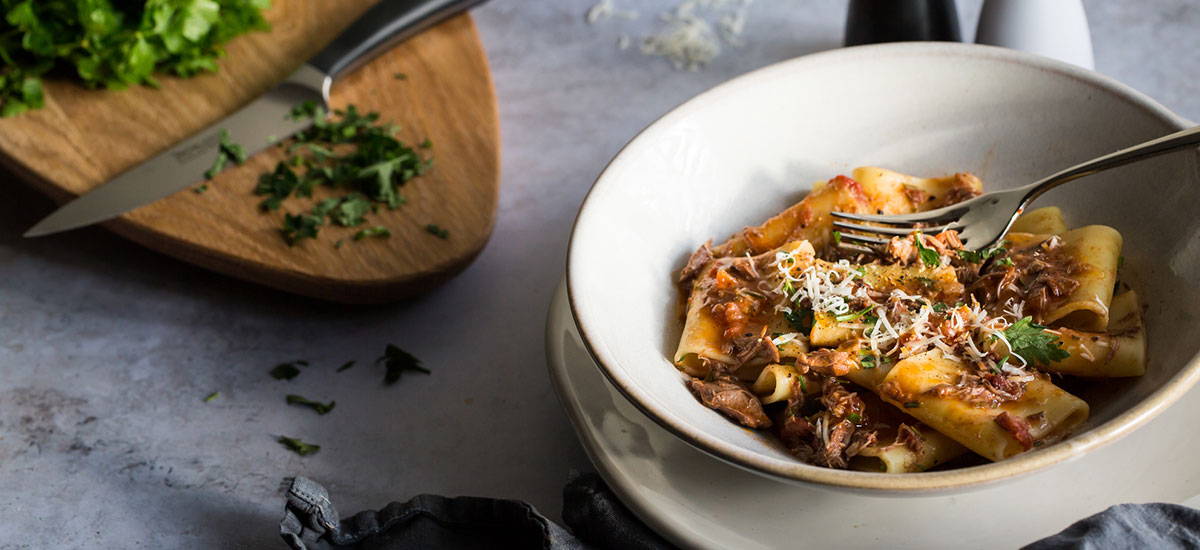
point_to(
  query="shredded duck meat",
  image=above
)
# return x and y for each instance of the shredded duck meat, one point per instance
(1041, 276)
(1017, 427)
(981, 390)
(730, 398)
(700, 258)
(908, 436)
(829, 362)
(755, 350)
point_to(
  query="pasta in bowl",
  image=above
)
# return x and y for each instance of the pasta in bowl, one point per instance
(748, 150)
(909, 357)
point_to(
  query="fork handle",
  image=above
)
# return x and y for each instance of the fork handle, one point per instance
(1166, 144)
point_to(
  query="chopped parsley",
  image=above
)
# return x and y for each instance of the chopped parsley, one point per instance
(200, 189)
(940, 307)
(928, 256)
(849, 317)
(378, 231)
(297, 227)
(299, 447)
(227, 150)
(867, 360)
(801, 320)
(345, 150)
(400, 76)
(397, 362)
(436, 231)
(1033, 343)
(837, 237)
(320, 408)
(212, 396)
(980, 256)
(854, 417)
(113, 45)
(1004, 262)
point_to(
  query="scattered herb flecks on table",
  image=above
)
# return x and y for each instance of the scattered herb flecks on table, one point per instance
(297, 446)
(320, 408)
(397, 362)
(113, 44)
(347, 151)
(288, 371)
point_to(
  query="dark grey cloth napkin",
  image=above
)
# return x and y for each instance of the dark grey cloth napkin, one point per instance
(597, 520)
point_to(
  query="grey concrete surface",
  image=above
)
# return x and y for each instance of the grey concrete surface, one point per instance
(106, 350)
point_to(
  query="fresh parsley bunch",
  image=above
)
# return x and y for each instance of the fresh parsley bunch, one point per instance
(113, 43)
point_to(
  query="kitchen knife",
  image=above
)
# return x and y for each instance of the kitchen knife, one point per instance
(254, 125)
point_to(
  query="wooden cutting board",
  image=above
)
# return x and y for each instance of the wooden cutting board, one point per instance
(83, 138)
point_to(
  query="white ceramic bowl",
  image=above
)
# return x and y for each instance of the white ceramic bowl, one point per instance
(747, 149)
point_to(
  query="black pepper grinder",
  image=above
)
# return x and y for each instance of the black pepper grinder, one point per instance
(874, 21)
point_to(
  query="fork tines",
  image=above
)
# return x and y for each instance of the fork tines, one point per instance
(933, 221)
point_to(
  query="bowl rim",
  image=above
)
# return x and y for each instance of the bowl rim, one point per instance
(871, 482)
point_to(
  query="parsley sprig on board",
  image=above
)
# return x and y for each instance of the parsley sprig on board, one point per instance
(113, 44)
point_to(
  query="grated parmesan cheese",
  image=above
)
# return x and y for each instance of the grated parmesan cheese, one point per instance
(693, 30)
(606, 9)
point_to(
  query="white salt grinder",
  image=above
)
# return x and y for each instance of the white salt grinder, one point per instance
(1053, 28)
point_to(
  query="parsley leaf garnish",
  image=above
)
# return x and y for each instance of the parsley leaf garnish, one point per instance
(212, 396)
(320, 408)
(1031, 341)
(928, 255)
(397, 362)
(299, 447)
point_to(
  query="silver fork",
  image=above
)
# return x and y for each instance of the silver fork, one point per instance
(984, 220)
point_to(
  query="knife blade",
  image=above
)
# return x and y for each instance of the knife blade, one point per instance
(253, 126)
(182, 165)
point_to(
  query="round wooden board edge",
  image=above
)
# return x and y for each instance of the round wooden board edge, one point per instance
(372, 291)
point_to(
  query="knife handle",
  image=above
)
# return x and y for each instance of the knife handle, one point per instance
(381, 27)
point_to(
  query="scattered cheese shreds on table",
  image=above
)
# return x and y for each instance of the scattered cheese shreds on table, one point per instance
(606, 9)
(692, 33)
